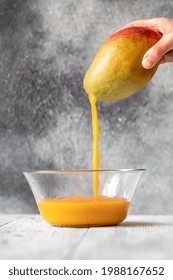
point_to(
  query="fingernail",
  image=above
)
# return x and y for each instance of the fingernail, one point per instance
(147, 62)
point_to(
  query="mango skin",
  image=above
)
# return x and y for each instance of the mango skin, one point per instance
(116, 71)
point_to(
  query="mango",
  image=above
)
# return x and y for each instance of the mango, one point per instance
(116, 71)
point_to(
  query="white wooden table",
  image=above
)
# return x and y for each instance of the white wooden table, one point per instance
(139, 237)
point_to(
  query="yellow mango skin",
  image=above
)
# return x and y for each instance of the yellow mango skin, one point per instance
(116, 71)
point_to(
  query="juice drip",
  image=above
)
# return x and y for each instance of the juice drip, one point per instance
(95, 144)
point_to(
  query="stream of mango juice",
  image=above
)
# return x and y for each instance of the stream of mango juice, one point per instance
(86, 211)
(95, 144)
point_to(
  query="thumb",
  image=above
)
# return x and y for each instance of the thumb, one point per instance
(154, 54)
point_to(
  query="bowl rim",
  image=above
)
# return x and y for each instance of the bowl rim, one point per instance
(85, 171)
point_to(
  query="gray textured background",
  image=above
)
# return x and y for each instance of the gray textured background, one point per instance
(45, 49)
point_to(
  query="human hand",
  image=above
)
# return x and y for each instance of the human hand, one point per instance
(163, 50)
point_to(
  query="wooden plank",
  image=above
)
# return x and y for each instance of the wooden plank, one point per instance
(139, 237)
(6, 219)
(31, 238)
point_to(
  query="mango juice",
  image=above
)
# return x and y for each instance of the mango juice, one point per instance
(84, 211)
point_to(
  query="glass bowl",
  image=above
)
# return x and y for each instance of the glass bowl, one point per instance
(65, 198)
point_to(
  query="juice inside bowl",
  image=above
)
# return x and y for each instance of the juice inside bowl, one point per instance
(84, 211)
